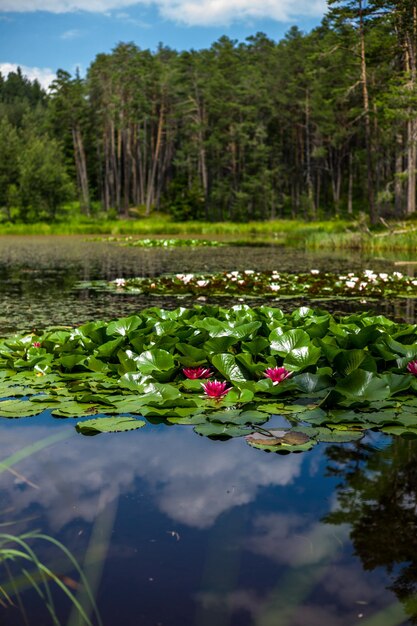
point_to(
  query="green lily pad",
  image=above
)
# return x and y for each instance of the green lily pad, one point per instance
(108, 425)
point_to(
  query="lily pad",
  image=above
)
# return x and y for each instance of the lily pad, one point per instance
(108, 425)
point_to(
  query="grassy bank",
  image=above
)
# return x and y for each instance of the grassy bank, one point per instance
(288, 232)
(394, 237)
(323, 235)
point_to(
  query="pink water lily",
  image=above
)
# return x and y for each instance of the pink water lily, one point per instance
(412, 367)
(215, 389)
(197, 372)
(36, 344)
(277, 374)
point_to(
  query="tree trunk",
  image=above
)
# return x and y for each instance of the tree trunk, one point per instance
(81, 170)
(410, 60)
(309, 180)
(398, 185)
(350, 185)
(411, 167)
(155, 157)
(366, 110)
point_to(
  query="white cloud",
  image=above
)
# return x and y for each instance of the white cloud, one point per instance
(44, 75)
(64, 6)
(71, 34)
(190, 479)
(189, 12)
(341, 593)
(221, 12)
(291, 540)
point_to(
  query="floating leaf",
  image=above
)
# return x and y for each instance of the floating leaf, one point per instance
(108, 425)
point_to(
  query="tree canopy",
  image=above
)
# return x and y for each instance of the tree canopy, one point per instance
(319, 124)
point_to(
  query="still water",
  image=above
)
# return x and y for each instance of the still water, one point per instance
(173, 529)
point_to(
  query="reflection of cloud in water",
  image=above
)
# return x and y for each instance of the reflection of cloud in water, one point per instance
(317, 582)
(340, 597)
(334, 588)
(291, 540)
(192, 479)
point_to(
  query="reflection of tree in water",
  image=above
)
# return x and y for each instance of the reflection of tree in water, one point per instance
(378, 498)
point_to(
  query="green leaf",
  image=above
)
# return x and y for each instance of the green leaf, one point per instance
(108, 425)
(310, 383)
(348, 361)
(227, 366)
(20, 408)
(109, 348)
(155, 360)
(363, 386)
(300, 358)
(289, 341)
(123, 326)
(70, 361)
(220, 431)
(326, 435)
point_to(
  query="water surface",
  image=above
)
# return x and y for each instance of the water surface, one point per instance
(174, 529)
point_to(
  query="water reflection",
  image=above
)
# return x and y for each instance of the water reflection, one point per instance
(377, 497)
(173, 462)
(225, 534)
(175, 529)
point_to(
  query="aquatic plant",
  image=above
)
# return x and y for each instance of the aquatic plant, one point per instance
(277, 374)
(129, 242)
(347, 375)
(197, 372)
(248, 284)
(412, 367)
(215, 389)
(24, 569)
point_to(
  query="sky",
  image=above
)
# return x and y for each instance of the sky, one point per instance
(42, 36)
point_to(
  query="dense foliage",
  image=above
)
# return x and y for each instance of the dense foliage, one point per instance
(318, 123)
(226, 372)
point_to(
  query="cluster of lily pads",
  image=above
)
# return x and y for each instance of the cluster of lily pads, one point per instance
(226, 372)
(132, 242)
(367, 284)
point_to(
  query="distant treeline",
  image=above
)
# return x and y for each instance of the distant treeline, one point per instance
(317, 125)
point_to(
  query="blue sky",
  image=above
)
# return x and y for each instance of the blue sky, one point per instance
(44, 35)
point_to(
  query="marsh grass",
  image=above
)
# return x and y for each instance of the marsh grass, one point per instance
(22, 569)
(323, 235)
(17, 550)
(366, 242)
(288, 232)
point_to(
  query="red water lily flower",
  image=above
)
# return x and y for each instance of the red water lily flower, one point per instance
(277, 374)
(196, 372)
(215, 389)
(36, 344)
(412, 367)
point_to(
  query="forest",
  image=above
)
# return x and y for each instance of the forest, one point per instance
(318, 125)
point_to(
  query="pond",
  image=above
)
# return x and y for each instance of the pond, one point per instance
(171, 528)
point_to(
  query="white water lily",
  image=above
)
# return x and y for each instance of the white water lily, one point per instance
(370, 275)
(315, 271)
(120, 282)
